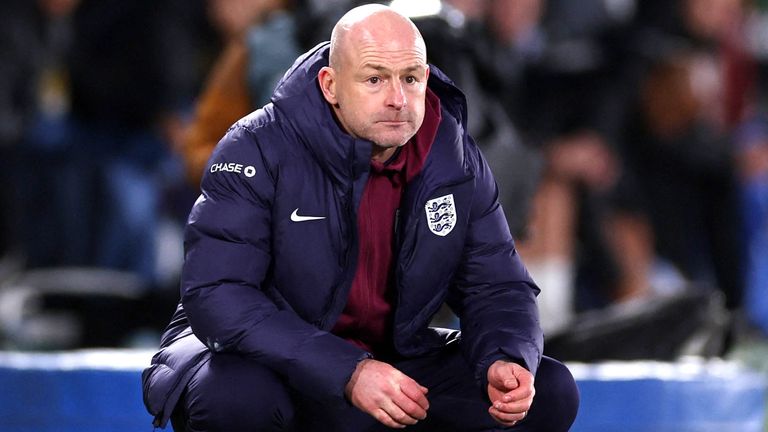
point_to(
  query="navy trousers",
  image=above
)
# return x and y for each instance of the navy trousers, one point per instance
(234, 394)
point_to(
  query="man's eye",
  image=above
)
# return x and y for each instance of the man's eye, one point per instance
(410, 79)
(374, 80)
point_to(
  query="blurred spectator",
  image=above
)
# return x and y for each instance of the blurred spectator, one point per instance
(678, 154)
(122, 82)
(32, 36)
(260, 45)
(552, 76)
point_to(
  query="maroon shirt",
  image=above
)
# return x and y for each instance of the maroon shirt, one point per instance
(367, 318)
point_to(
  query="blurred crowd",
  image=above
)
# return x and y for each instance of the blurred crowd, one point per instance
(629, 138)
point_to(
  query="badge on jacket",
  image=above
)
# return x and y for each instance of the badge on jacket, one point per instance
(441, 215)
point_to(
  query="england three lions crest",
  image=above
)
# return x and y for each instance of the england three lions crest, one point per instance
(441, 215)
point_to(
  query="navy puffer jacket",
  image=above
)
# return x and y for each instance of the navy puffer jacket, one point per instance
(262, 282)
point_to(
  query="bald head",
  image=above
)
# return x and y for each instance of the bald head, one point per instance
(372, 23)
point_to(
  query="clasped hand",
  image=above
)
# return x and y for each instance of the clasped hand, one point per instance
(511, 391)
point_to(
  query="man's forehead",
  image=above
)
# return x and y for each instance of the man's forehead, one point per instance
(376, 44)
(382, 31)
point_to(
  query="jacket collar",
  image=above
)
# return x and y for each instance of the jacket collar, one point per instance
(299, 98)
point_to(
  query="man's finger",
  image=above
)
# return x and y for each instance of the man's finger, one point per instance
(410, 408)
(417, 394)
(513, 407)
(519, 394)
(399, 416)
(506, 417)
(383, 417)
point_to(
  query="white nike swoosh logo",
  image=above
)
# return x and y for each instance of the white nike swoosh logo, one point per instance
(297, 218)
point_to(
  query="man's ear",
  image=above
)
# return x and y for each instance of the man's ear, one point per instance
(327, 79)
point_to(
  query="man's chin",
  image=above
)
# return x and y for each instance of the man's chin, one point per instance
(392, 140)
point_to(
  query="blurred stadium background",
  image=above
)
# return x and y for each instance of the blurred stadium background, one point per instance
(629, 139)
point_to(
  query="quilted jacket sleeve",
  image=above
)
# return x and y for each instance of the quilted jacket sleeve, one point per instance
(227, 265)
(494, 296)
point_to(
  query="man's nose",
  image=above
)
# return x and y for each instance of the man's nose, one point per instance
(396, 95)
